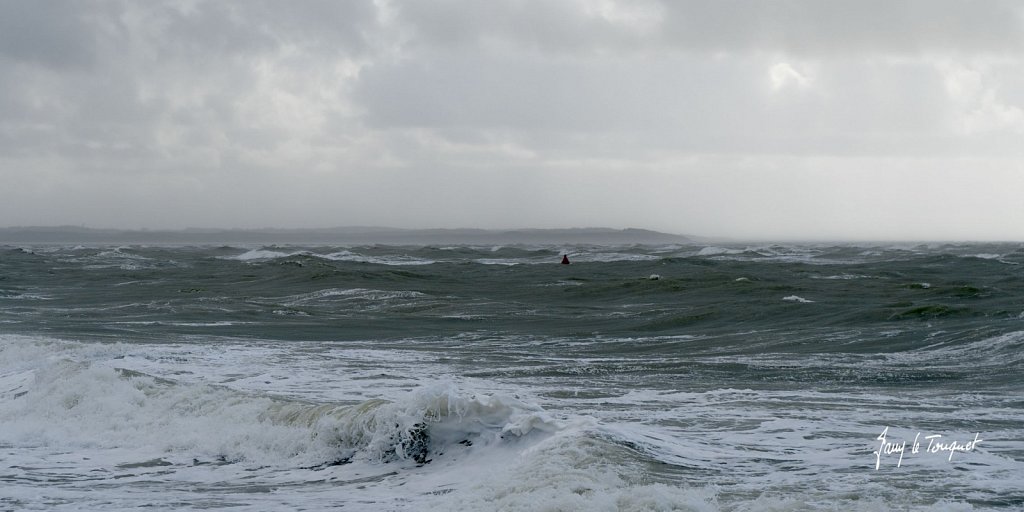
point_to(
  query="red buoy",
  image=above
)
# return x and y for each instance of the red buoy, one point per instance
(565, 259)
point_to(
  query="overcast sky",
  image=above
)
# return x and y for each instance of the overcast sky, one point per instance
(750, 119)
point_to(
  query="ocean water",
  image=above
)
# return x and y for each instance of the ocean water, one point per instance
(741, 378)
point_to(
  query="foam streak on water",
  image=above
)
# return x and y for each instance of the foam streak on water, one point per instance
(410, 378)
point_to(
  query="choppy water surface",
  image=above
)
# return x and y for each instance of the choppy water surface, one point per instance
(493, 378)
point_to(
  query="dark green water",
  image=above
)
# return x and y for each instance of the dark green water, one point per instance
(755, 377)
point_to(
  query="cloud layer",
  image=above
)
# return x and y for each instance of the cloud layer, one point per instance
(790, 119)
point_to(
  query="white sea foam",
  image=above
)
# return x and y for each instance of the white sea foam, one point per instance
(486, 451)
(576, 255)
(220, 323)
(797, 298)
(395, 260)
(778, 254)
(343, 255)
(23, 296)
(68, 399)
(997, 257)
(717, 251)
(353, 294)
(202, 424)
(608, 257)
(574, 471)
(842, 277)
(499, 261)
(119, 257)
(263, 254)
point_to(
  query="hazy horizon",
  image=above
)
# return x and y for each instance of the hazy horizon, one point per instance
(423, 232)
(794, 120)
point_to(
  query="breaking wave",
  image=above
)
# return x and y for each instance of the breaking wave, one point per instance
(75, 399)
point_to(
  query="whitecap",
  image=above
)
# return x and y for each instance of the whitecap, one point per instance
(353, 294)
(262, 254)
(395, 260)
(842, 277)
(498, 261)
(716, 251)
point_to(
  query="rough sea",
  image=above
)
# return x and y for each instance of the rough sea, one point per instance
(376, 378)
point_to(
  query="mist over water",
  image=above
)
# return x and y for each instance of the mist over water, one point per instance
(664, 377)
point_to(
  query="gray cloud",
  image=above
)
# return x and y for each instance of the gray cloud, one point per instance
(50, 33)
(797, 27)
(809, 28)
(688, 103)
(731, 117)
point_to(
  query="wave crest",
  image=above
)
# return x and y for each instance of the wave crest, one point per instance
(55, 398)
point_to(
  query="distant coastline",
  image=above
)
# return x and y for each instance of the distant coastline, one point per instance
(356, 235)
